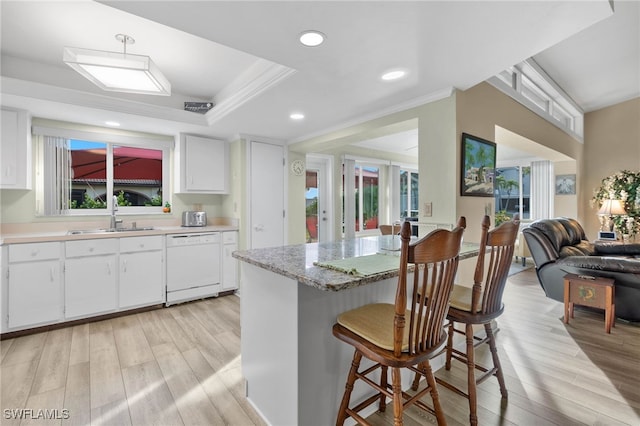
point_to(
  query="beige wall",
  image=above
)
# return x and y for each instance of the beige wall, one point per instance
(612, 143)
(296, 208)
(478, 111)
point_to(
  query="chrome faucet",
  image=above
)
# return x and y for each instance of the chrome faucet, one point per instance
(114, 208)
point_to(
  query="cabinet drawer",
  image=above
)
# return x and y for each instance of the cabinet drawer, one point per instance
(230, 237)
(134, 244)
(36, 251)
(91, 247)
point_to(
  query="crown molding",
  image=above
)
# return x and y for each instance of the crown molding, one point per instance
(261, 76)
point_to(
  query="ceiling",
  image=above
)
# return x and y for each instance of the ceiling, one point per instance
(245, 57)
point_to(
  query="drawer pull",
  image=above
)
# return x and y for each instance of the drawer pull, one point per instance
(109, 268)
(51, 271)
(91, 249)
(35, 252)
(124, 264)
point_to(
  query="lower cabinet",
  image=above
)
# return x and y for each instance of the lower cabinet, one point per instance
(141, 271)
(91, 273)
(34, 285)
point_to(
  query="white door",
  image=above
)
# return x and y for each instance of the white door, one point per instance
(320, 168)
(141, 278)
(90, 285)
(267, 195)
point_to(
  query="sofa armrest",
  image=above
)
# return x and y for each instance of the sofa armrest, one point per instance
(616, 247)
(603, 263)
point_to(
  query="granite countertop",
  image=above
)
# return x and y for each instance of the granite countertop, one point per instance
(297, 261)
(66, 235)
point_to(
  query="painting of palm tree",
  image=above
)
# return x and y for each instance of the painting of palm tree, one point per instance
(478, 166)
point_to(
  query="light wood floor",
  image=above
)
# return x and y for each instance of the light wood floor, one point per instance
(181, 365)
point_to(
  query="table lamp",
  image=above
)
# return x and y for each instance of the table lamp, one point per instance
(609, 209)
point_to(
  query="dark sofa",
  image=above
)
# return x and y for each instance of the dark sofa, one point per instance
(559, 246)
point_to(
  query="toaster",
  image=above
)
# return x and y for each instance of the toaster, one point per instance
(193, 218)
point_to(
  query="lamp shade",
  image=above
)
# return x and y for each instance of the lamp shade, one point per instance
(612, 208)
(118, 72)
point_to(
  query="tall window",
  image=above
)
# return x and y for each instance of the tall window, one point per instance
(367, 178)
(81, 176)
(513, 191)
(408, 194)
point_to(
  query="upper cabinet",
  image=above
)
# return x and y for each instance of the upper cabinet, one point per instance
(203, 165)
(15, 149)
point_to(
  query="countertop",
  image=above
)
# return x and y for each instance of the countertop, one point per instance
(297, 261)
(38, 237)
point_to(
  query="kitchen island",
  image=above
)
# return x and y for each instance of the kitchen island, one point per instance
(295, 369)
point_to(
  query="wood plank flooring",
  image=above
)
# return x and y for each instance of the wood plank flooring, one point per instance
(173, 366)
(181, 365)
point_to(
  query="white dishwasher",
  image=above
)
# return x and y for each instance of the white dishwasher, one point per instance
(193, 266)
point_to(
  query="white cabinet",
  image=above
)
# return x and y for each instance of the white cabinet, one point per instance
(203, 165)
(15, 145)
(34, 284)
(90, 277)
(141, 271)
(229, 263)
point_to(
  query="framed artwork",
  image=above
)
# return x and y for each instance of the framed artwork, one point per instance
(565, 184)
(478, 166)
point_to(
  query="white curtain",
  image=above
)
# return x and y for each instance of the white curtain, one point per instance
(542, 190)
(57, 175)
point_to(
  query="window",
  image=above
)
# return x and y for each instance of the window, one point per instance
(80, 176)
(513, 191)
(408, 194)
(367, 178)
(530, 85)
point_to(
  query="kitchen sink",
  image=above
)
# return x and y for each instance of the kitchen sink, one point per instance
(107, 230)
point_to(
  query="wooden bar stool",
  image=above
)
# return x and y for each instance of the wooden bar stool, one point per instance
(481, 304)
(393, 336)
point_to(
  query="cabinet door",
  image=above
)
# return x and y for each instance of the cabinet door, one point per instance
(35, 295)
(15, 145)
(141, 280)
(229, 267)
(205, 165)
(9, 144)
(90, 285)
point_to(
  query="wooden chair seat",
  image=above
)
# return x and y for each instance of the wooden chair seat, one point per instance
(403, 334)
(374, 323)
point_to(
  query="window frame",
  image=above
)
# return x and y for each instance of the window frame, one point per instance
(111, 138)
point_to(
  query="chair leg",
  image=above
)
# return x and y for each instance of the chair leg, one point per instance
(355, 364)
(431, 382)
(398, 401)
(383, 384)
(451, 330)
(471, 376)
(496, 360)
(416, 379)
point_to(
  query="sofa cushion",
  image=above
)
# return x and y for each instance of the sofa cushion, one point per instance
(554, 231)
(574, 230)
(583, 248)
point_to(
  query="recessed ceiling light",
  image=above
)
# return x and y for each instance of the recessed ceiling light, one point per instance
(112, 123)
(296, 116)
(393, 75)
(312, 38)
